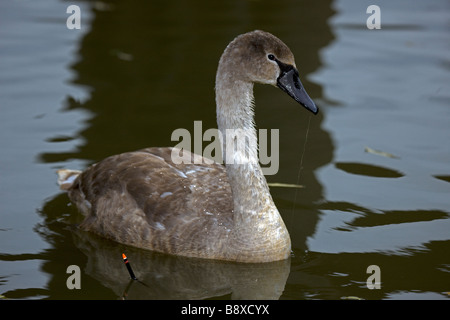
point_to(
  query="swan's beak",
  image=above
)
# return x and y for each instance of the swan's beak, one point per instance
(289, 82)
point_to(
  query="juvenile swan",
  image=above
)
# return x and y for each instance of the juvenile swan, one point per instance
(146, 200)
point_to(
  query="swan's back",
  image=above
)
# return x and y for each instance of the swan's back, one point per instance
(145, 200)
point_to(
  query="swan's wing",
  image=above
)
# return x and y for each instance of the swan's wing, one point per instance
(144, 199)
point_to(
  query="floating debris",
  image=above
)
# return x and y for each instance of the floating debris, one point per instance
(122, 55)
(351, 298)
(102, 6)
(285, 185)
(380, 153)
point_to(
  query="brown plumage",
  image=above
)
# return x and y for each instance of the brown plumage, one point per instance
(203, 210)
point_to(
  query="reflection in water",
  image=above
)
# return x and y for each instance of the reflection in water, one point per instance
(370, 218)
(443, 177)
(161, 276)
(169, 277)
(368, 170)
(315, 275)
(338, 275)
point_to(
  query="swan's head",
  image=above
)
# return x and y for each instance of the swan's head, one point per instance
(260, 57)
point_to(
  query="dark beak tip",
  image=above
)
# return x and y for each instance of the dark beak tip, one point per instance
(290, 83)
(313, 107)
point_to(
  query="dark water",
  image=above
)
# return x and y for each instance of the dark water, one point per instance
(376, 165)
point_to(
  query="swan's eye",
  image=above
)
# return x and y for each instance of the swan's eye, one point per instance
(271, 57)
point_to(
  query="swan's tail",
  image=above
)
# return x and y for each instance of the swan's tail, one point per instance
(66, 177)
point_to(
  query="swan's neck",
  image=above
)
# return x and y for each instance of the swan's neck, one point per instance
(235, 118)
(255, 214)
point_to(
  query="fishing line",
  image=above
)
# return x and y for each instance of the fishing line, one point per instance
(301, 165)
